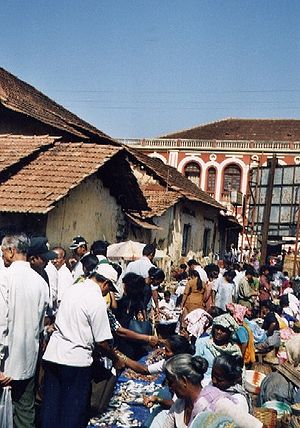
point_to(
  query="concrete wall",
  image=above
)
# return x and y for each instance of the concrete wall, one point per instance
(90, 211)
(170, 238)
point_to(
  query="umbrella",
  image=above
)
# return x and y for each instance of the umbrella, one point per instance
(129, 250)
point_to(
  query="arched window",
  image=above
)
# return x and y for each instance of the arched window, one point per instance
(232, 178)
(211, 180)
(192, 172)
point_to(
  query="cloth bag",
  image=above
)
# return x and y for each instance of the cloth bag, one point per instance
(6, 409)
(142, 327)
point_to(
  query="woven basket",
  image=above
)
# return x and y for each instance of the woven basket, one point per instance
(289, 421)
(267, 416)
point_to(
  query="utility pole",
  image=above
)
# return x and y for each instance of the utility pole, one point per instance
(267, 210)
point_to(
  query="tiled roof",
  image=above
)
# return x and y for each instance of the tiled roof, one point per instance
(21, 97)
(243, 129)
(17, 148)
(159, 200)
(173, 180)
(50, 177)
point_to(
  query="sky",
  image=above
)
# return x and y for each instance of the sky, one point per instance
(145, 68)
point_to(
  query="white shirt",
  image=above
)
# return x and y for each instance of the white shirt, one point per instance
(65, 279)
(168, 305)
(53, 282)
(77, 270)
(140, 267)
(157, 367)
(202, 274)
(24, 296)
(224, 291)
(81, 321)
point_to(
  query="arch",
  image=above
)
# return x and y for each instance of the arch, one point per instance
(158, 156)
(193, 158)
(192, 171)
(244, 172)
(232, 177)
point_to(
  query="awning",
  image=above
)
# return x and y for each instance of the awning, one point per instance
(138, 221)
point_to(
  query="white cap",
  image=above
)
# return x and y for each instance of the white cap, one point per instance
(106, 270)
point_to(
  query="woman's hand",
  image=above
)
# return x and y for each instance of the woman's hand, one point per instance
(153, 399)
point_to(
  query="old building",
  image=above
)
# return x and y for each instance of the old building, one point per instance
(217, 156)
(60, 176)
(67, 189)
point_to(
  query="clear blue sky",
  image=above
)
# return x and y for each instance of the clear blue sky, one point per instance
(137, 68)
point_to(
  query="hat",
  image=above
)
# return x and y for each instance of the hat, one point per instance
(106, 270)
(78, 241)
(39, 247)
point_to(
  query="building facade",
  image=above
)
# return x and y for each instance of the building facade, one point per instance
(219, 156)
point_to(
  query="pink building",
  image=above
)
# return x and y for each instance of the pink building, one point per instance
(218, 156)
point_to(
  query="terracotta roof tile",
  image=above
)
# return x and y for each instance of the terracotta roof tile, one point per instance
(52, 175)
(243, 129)
(159, 201)
(174, 180)
(16, 148)
(19, 96)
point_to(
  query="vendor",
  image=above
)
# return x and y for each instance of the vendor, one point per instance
(270, 325)
(219, 343)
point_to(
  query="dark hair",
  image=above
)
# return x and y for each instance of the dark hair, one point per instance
(231, 365)
(135, 285)
(156, 274)
(266, 304)
(250, 271)
(192, 262)
(89, 262)
(99, 248)
(195, 274)
(186, 366)
(183, 266)
(149, 249)
(284, 300)
(263, 269)
(230, 274)
(167, 293)
(214, 311)
(180, 345)
(117, 268)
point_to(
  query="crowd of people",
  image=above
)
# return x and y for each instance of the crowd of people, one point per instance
(69, 326)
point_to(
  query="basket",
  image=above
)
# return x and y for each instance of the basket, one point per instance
(267, 416)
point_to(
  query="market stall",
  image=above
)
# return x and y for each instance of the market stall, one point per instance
(126, 408)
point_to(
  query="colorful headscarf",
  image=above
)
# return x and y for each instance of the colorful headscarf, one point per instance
(226, 321)
(212, 420)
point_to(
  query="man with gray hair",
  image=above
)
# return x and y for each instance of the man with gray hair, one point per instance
(24, 297)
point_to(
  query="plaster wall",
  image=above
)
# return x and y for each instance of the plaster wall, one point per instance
(90, 211)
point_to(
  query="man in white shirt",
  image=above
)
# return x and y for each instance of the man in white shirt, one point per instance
(79, 249)
(141, 266)
(24, 296)
(81, 326)
(64, 276)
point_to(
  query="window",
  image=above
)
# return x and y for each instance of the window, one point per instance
(206, 241)
(232, 178)
(186, 239)
(211, 180)
(192, 172)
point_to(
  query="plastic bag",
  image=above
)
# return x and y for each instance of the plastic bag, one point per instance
(6, 409)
